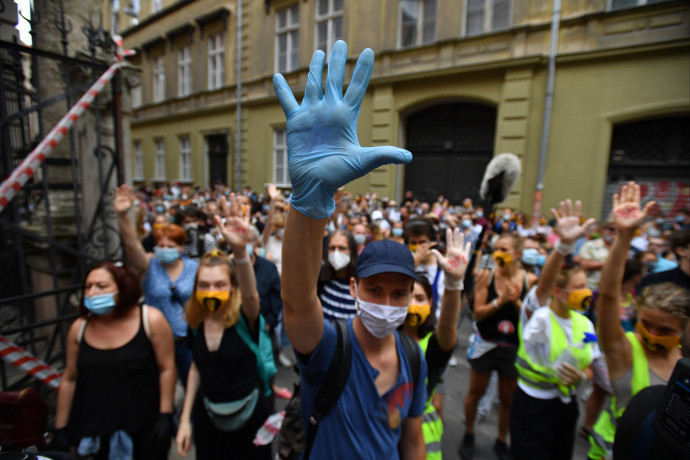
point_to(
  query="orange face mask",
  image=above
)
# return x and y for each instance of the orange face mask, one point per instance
(212, 300)
(417, 314)
(503, 259)
(657, 342)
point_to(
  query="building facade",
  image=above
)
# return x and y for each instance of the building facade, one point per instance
(455, 82)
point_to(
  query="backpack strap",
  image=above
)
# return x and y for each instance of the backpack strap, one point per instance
(332, 385)
(414, 356)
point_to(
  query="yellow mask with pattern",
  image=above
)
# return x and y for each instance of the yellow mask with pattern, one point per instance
(417, 314)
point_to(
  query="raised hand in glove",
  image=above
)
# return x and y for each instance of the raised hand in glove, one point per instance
(323, 150)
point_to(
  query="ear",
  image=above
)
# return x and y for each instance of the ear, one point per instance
(352, 287)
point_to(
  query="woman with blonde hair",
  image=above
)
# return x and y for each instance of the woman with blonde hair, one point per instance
(223, 307)
(646, 357)
(557, 347)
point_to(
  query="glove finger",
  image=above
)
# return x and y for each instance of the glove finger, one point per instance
(336, 72)
(360, 79)
(285, 97)
(313, 92)
(373, 157)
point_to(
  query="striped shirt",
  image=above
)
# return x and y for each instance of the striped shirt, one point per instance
(336, 300)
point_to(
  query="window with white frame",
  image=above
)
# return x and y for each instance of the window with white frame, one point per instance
(156, 6)
(185, 158)
(417, 22)
(160, 159)
(158, 79)
(216, 62)
(487, 16)
(329, 24)
(138, 161)
(280, 158)
(287, 39)
(184, 72)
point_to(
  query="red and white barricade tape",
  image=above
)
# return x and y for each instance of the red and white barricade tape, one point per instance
(33, 366)
(29, 166)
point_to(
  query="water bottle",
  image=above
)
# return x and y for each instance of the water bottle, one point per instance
(567, 355)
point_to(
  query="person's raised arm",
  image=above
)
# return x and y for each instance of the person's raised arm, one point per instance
(136, 254)
(628, 217)
(569, 230)
(323, 155)
(454, 265)
(235, 232)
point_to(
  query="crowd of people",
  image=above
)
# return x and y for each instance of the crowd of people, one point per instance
(214, 277)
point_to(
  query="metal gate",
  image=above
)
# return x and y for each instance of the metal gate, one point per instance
(655, 153)
(62, 220)
(451, 145)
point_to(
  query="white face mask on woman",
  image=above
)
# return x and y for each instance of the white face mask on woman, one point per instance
(380, 320)
(338, 259)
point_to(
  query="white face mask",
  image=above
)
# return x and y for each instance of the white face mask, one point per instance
(338, 259)
(380, 320)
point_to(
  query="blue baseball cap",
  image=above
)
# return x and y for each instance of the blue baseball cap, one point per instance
(385, 257)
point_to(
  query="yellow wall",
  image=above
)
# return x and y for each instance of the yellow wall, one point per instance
(612, 67)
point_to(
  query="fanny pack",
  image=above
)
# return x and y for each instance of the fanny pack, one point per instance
(233, 415)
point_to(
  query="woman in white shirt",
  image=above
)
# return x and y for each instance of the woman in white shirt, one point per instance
(557, 346)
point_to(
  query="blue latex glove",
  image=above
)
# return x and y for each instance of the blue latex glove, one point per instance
(323, 151)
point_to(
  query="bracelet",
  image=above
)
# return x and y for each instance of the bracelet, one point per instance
(453, 285)
(495, 303)
(243, 261)
(565, 248)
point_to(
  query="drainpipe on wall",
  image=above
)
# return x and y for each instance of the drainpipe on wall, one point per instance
(548, 104)
(238, 111)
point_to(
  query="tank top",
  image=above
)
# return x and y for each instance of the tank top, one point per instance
(116, 389)
(501, 327)
(228, 373)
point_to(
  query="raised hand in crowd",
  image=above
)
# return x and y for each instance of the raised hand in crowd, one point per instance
(569, 229)
(454, 264)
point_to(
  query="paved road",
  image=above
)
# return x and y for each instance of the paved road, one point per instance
(457, 382)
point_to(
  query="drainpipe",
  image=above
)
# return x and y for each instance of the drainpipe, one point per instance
(548, 104)
(238, 110)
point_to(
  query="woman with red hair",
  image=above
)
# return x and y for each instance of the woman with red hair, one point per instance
(167, 277)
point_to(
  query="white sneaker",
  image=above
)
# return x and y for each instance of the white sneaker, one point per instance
(453, 361)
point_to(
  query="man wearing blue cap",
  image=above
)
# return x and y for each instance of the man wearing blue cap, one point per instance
(378, 413)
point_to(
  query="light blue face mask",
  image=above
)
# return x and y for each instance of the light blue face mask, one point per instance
(480, 214)
(397, 231)
(100, 304)
(530, 256)
(261, 252)
(250, 249)
(466, 223)
(166, 255)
